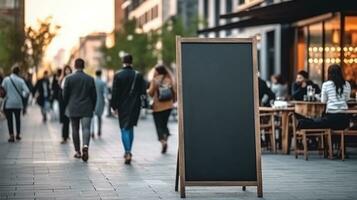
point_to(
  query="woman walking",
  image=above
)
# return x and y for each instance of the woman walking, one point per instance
(16, 91)
(163, 92)
(63, 118)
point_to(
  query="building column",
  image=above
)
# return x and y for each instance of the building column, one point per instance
(277, 47)
(263, 56)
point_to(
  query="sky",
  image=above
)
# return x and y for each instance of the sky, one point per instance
(76, 17)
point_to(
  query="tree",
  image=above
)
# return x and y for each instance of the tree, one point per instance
(36, 42)
(169, 31)
(141, 45)
(11, 41)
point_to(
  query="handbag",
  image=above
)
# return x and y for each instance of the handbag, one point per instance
(23, 100)
(2, 92)
(165, 92)
(144, 102)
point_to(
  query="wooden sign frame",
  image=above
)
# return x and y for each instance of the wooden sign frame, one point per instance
(180, 171)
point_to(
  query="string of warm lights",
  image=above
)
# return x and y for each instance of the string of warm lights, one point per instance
(333, 54)
(332, 49)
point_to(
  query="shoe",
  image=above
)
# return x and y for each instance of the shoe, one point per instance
(127, 157)
(63, 141)
(77, 155)
(164, 148)
(85, 155)
(92, 135)
(18, 137)
(11, 139)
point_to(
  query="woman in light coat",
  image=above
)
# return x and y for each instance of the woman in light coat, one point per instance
(162, 107)
(16, 90)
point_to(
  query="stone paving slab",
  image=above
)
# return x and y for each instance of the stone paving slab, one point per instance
(39, 167)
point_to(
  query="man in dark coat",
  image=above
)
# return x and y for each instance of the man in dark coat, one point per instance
(43, 89)
(299, 88)
(264, 90)
(79, 96)
(128, 86)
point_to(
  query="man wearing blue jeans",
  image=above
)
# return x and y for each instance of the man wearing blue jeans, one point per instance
(128, 86)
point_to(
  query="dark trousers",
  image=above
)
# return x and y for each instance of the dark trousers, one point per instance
(161, 119)
(65, 127)
(76, 121)
(9, 116)
(335, 121)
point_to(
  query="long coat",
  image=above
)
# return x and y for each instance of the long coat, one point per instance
(44, 91)
(128, 106)
(102, 91)
(79, 95)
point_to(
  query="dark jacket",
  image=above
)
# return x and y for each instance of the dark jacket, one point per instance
(298, 91)
(128, 106)
(79, 95)
(265, 90)
(44, 93)
(56, 89)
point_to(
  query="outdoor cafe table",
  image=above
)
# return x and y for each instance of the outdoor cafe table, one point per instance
(284, 124)
(314, 109)
(308, 109)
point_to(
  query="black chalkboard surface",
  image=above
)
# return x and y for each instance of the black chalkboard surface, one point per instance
(219, 143)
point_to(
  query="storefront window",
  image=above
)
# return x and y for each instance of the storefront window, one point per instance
(315, 53)
(332, 43)
(302, 44)
(350, 50)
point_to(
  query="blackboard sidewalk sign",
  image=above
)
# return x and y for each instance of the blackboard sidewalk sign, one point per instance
(219, 139)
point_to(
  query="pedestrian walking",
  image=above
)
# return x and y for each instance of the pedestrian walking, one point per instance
(16, 91)
(80, 98)
(43, 91)
(128, 86)
(28, 81)
(55, 95)
(64, 120)
(102, 91)
(163, 92)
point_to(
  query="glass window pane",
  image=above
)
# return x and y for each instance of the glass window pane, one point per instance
(332, 43)
(350, 50)
(315, 53)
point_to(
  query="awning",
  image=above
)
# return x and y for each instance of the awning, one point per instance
(284, 13)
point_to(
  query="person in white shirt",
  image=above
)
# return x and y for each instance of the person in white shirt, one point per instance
(335, 93)
(16, 90)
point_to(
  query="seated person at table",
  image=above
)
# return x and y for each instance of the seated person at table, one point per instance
(335, 93)
(279, 87)
(265, 93)
(300, 86)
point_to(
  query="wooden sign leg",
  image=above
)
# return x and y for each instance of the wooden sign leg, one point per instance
(260, 190)
(182, 188)
(177, 173)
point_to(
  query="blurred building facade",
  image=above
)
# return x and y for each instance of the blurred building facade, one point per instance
(152, 14)
(12, 13)
(292, 35)
(90, 49)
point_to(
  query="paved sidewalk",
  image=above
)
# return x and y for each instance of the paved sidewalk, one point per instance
(39, 167)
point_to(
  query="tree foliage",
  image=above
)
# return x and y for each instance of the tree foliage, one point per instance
(169, 31)
(11, 42)
(36, 42)
(148, 48)
(140, 45)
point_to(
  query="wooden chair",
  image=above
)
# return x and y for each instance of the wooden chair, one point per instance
(304, 134)
(312, 110)
(342, 133)
(267, 124)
